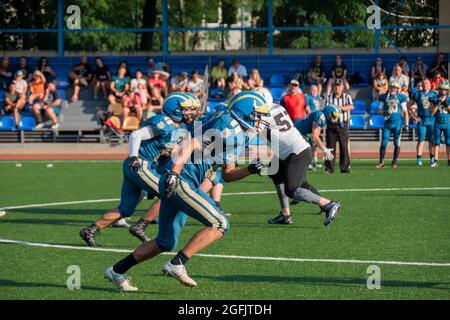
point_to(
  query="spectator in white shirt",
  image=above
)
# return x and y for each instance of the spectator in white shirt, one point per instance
(400, 77)
(236, 66)
(179, 83)
(196, 84)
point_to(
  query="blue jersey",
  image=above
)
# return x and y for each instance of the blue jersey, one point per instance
(392, 106)
(222, 142)
(313, 102)
(305, 126)
(423, 103)
(441, 116)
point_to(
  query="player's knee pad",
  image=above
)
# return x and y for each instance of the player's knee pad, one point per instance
(302, 194)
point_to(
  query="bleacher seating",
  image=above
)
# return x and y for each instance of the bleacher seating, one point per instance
(376, 122)
(7, 123)
(276, 81)
(27, 123)
(360, 107)
(357, 122)
(374, 107)
(276, 94)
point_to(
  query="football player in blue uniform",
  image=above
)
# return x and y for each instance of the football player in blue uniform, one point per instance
(425, 125)
(393, 105)
(140, 169)
(440, 107)
(221, 141)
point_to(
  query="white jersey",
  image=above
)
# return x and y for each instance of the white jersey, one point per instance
(284, 137)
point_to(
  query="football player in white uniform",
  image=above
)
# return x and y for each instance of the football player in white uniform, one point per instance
(293, 156)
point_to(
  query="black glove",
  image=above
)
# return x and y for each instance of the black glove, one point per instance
(171, 184)
(134, 164)
(256, 167)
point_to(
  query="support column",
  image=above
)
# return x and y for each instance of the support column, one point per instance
(444, 20)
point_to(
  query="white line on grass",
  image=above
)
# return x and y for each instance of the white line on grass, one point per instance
(37, 205)
(349, 261)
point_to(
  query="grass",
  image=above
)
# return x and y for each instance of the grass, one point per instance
(382, 226)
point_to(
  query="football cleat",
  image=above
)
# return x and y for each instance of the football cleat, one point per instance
(394, 166)
(419, 162)
(281, 219)
(121, 281)
(380, 165)
(434, 164)
(178, 271)
(122, 223)
(138, 230)
(88, 235)
(331, 210)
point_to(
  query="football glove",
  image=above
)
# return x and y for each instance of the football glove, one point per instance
(256, 167)
(134, 164)
(171, 184)
(328, 154)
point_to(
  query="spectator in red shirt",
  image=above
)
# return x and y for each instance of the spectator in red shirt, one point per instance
(436, 80)
(294, 101)
(157, 81)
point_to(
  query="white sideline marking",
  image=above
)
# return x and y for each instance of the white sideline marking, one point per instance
(37, 205)
(349, 261)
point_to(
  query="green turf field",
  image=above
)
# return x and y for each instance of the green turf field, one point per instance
(378, 225)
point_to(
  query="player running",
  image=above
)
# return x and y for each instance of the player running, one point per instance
(392, 105)
(440, 108)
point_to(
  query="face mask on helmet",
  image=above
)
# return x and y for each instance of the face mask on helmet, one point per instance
(190, 109)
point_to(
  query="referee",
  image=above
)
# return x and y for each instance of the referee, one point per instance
(339, 132)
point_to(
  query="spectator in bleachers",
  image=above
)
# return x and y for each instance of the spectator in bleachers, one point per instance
(119, 86)
(156, 81)
(37, 87)
(398, 75)
(436, 80)
(81, 75)
(338, 71)
(44, 67)
(49, 104)
(219, 75)
(403, 63)
(233, 91)
(25, 68)
(316, 73)
(139, 94)
(294, 101)
(14, 102)
(236, 66)
(313, 99)
(254, 81)
(235, 81)
(156, 102)
(21, 85)
(102, 78)
(5, 74)
(440, 64)
(377, 68)
(161, 67)
(196, 85)
(179, 83)
(419, 71)
(124, 64)
(379, 86)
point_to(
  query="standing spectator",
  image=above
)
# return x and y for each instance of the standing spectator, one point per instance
(196, 85)
(81, 75)
(316, 73)
(419, 71)
(5, 74)
(403, 63)
(400, 77)
(156, 81)
(14, 102)
(219, 75)
(179, 83)
(377, 68)
(436, 80)
(102, 77)
(338, 71)
(161, 67)
(254, 81)
(156, 102)
(236, 66)
(441, 65)
(119, 86)
(339, 132)
(46, 70)
(294, 101)
(379, 86)
(313, 99)
(50, 105)
(37, 87)
(25, 68)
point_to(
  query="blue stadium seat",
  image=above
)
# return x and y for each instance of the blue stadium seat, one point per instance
(27, 123)
(376, 122)
(357, 122)
(63, 95)
(7, 123)
(276, 93)
(360, 107)
(62, 83)
(2, 96)
(374, 107)
(276, 81)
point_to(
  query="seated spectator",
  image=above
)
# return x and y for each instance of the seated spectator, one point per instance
(379, 86)
(400, 77)
(14, 102)
(294, 101)
(37, 87)
(236, 66)
(338, 71)
(119, 86)
(377, 68)
(161, 67)
(254, 81)
(196, 85)
(5, 74)
(138, 97)
(312, 99)
(46, 70)
(316, 73)
(403, 63)
(25, 68)
(157, 81)
(124, 64)
(419, 71)
(179, 83)
(102, 77)
(49, 105)
(21, 85)
(235, 81)
(81, 75)
(436, 80)
(441, 65)
(219, 75)
(156, 102)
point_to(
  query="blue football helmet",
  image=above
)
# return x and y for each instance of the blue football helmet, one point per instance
(181, 107)
(248, 108)
(332, 113)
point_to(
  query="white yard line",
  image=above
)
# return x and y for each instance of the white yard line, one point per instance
(222, 256)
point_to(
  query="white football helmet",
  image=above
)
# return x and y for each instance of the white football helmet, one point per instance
(266, 95)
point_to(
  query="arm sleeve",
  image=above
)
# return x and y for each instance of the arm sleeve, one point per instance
(403, 104)
(136, 137)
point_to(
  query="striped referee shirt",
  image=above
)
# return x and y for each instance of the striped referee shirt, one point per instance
(344, 100)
